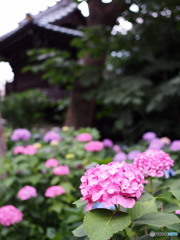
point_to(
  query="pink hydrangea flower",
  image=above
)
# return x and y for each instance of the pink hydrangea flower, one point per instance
(148, 136)
(51, 163)
(52, 136)
(61, 170)
(131, 155)
(116, 148)
(112, 184)
(177, 212)
(27, 192)
(156, 144)
(119, 157)
(10, 215)
(21, 134)
(107, 143)
(94, 146)
(30, 150)
(84, 137)
(54, 191)
(19, 150)
(153, 162)
(175, 145)
(166, 140)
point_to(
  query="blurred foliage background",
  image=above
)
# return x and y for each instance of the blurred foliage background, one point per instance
(136, 89)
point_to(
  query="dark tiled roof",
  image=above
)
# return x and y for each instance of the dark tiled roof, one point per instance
(61, 29)
(58, 11)
(44, 19)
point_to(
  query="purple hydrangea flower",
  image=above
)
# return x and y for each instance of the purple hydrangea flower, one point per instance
(169, 173)
(51, 136)
(116, 148)
(119, 157)
(131, 155)
(156, 144)
(107, 143)
(175, 145)
(21, 134)
(148, 136)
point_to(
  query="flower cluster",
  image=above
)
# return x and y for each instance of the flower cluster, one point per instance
(21, 134)
(119, 157)
(27, 192)
(113, 184)
(52, 162)
(153, 162)
(156, 144)
(28, 150)
(94, 146)
(10, 215)
(148, 136)
(116, 148)
(107, 143)
(175, 145)
(131, 155)
(84, 137)
(52, 136)
(61, 170)
(54, 191)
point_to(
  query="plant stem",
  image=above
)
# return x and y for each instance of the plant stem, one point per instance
(151, 185)
(125, 233)
(117, 207)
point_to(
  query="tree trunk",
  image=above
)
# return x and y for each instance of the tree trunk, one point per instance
(2, 140)
(81, 112)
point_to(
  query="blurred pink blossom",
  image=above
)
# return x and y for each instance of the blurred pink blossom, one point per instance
(21, 134)
(28, 150)
(19, 150)
(148, 136)
(153, 162)
(94, 146)
(177, 211)
(107, 143)
(27, 192)
(131, 155)
(116, 148)
(84, 137)
(54, 191)
(119, 157)
(156, 144)
(10, 215)
(61, 170)
(52, 136)
(166, 140)
(175, 145)
(51, 163)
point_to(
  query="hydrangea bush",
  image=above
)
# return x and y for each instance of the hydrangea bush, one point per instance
(58, 179)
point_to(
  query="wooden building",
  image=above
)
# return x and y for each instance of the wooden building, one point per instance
(54, 27)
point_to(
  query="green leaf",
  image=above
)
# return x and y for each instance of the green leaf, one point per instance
(79, 232)
(56, 207)
(67, 186)
(34, 179)
(142, 207)
(80, 203)
(102, 224)
(50, 233)
(145, 237)
(168, 208)
(157, 219)
(176, 193)
(174, 227)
